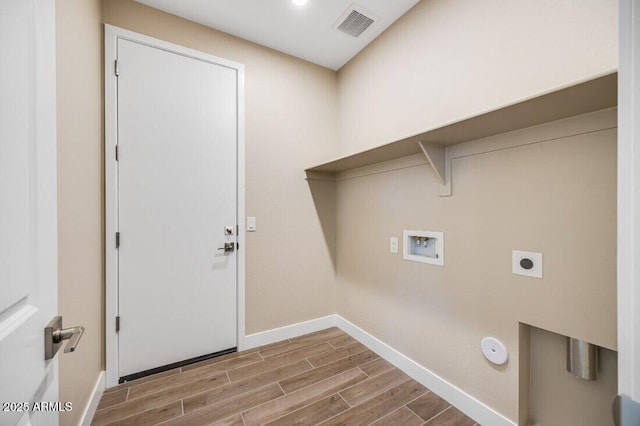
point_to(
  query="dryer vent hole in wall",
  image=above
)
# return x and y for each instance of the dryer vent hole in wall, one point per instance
(494, 350)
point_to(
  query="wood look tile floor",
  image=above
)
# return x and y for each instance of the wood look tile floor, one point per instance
(324, 378)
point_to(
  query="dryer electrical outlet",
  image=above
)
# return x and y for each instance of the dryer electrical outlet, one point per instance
(526, 263)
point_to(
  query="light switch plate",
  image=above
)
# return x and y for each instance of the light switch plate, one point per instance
(393, 245)
(251, 224)
(519, 260)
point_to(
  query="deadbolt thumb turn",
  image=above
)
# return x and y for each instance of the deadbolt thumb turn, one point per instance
(54, 335)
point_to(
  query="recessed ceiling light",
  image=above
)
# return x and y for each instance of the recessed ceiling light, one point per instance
(299, 2)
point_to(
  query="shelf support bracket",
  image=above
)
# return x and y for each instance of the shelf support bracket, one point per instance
(438, 157)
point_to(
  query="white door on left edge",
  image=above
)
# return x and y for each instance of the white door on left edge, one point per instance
(177, 177)
(28, 225)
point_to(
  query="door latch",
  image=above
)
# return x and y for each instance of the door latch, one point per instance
(228, 247)
(54, 335)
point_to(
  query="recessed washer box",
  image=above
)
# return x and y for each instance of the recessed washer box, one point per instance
(423, 246)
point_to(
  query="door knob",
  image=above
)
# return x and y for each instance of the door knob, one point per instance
(55, 335)
(228, 247)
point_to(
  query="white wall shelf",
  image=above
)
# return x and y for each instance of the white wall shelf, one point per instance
(589, 96)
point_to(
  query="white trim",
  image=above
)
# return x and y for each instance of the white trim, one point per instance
(473, 408)
(110, 205)
(94, 401)
(289, 331)
(628, 201)
(241, 211)
(112, 34)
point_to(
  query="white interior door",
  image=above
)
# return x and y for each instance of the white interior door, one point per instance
(177, 191)
(28, 248)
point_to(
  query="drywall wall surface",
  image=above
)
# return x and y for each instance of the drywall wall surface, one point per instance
(555, 196)
(447, 60)
(290, 124)
(558, 398)
(80, 197)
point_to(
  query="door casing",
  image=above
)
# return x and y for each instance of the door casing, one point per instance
(628, 200)
(112, 34)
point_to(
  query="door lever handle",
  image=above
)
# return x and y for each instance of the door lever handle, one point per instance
(228, 247)
(55, 335)
(72, 334)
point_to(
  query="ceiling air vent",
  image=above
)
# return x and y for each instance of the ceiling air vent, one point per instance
(354, 21)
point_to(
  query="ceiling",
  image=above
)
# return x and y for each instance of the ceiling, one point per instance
(308, 32)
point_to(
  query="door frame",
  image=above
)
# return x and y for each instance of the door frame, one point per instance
(629, 201)
(112, 34)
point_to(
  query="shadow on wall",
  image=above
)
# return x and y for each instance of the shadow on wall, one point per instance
(554, 396)
(323, 191)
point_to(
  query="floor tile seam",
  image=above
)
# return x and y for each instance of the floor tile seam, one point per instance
(181, 398)
(235, 396)
(164, 388)
(315, 383)
(393, 411)
(286, 352)
(271, 370)
(142, 412)
(271, 358)
(232, 368)
(380, 393)
(356, 406)
(436, 415)
(340, 359)
(311, 403)
(116, 389)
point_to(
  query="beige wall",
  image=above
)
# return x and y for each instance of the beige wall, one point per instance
(291, 123)
(290, 116)
(80, 183)
(446, 60)
(556, 197)
(589, 403)
(442, 61)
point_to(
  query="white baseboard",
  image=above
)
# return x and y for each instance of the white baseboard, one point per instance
(287, 332)
(94, 400)
(457, 397)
